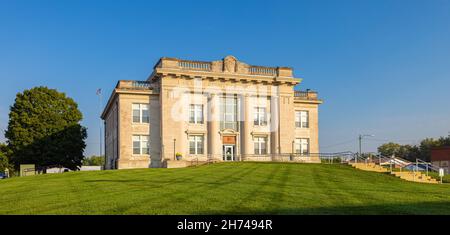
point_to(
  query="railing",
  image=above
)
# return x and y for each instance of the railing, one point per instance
(330, 158)
(285, 157)
(141, 84)
(258, 70)
(406, 165)
(195, 65)
(276, 157)
(428, 166)
(135, 85)
(194, 162)
(305, 95)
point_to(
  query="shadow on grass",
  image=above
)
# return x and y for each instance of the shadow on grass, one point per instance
(423, 208)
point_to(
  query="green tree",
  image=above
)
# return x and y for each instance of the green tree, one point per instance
(389, 149)
(44, 129)
(408, 152)
(425, 148)
(444, 141)
(4, 162)
(94, 161)
(412, 152)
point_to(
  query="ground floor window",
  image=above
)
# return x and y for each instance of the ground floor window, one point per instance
(196, 144)
(260, 144)
(140, 144)
(302, 145)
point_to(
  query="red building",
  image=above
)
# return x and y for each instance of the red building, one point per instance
(440, 157)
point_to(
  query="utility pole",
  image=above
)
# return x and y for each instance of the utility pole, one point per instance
(360, 140)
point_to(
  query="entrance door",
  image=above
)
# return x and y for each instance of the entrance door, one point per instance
(228, 152)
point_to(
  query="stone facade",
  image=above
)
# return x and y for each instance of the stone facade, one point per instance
(222, 110)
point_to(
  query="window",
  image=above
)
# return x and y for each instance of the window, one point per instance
(260, 116)
(140, 144)
(141, 113)
(196, 113)
(260, 145)
(302, 119)
(229, 112)
(196, 144)
(302, 146)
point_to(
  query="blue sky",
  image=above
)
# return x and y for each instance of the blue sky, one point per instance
(382, 67)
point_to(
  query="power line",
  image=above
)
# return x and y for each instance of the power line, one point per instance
(368, 139)
(386, 140)
(338, 144)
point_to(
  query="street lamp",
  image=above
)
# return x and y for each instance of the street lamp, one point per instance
(360, 139)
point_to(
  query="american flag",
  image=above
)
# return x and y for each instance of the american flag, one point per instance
(99, 91)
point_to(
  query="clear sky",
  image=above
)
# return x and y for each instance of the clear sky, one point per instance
(382, 67)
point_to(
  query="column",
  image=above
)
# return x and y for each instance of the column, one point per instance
(246, 133)
(274, 121)
(214, 142)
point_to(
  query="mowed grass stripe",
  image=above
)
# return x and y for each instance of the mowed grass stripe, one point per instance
(223, 188)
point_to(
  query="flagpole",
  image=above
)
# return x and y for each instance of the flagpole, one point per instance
(99, 93)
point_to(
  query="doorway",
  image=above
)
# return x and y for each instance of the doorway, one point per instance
(228, 152)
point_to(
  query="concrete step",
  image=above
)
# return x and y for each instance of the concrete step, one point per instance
(369, 167)
(415, 176)
(405, 175)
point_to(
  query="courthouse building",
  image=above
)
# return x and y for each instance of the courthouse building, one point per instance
(226, 110)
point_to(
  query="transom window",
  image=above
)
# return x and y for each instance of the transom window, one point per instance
(302, 145)
(141, 144)
(196, 144)
(260, 116)
(196, 113)
(260, 145)
(141, 113)
(302, 119)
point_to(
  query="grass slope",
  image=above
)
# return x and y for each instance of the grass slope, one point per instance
(224, 188)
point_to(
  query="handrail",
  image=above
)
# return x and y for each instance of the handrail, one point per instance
(194, 160)
(342, 157)
(429, 166)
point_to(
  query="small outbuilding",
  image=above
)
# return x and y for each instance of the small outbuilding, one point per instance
(440, 157)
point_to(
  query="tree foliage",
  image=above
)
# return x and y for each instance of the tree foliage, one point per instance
(412, 152)
(389, 149)
(94, 161)
(4, 162)
(44, 129)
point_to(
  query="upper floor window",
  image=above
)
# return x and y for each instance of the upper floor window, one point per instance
(302, 145)
(229, 112)
(302, 119)
(260, 144)
(141, 144)
(260, 116)
(141, 113)
(196, 144)
(196, 113)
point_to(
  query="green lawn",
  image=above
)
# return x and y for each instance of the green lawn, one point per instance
(445, 179)
(224, 188)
